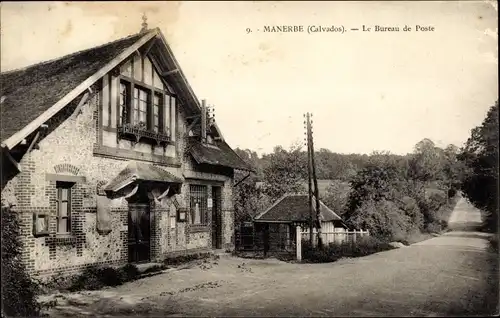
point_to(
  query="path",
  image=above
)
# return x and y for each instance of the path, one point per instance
(447, 275)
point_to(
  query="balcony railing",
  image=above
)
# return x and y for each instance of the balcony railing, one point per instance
(137, 132)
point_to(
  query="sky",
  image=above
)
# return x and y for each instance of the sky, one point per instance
(367, 91)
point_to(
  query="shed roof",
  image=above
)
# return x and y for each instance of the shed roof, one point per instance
(295, 208)
(219, 154)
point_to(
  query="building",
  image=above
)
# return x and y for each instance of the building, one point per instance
(109, 157)
(279, 222)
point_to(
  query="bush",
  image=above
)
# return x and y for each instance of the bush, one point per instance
(89, 279)
(362, 247)
(129, 272)
(19, 290)
(94, 277)
(384, 219)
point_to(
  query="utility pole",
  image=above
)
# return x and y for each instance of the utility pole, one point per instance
(316, 190)
(309, 175)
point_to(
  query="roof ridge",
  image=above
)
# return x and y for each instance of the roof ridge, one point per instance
(72, 54)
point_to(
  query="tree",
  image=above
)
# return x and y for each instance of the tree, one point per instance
(426, 162)
(383, 218)
(480, 155)
(453, 169)
(285, 172)
(247, 197)
(337, 196)
(377, 181)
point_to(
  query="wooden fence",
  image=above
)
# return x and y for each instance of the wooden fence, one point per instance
(339, 236)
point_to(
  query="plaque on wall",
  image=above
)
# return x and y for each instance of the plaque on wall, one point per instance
(210, 203)
(181, 215)
(40, 224)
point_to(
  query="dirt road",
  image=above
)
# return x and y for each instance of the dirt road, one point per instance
(447, 275)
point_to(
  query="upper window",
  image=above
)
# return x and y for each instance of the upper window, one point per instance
(157, 106)
(63, 200)
(143, 98)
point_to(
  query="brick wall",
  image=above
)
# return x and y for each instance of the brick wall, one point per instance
(68, 151)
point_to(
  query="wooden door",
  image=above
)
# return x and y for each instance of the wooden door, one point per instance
(139, 233)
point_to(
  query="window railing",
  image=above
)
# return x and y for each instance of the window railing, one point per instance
(139, 131)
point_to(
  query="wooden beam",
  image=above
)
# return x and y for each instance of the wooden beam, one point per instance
(170, 54)
(159, 70)
(131, 193)
(195, 121)
(149, 46)
(33, 141)
(244, 178)
(161, 196)
(170, 72)
(18, 136)
(84, 99)
(193, 117)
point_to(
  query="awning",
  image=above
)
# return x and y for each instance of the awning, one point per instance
(219, 154)
(137, 171)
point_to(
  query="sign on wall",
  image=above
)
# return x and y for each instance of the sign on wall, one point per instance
(210, 203)
(40, 224)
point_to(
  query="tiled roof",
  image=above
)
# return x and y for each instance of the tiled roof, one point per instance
(29, 92)
(219, 154)
(295, 208)
(138, 171)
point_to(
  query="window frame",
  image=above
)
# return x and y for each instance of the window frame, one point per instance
(198, 192)
(64, 185)
(151, 91)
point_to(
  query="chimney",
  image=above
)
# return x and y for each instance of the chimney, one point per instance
(203, 121)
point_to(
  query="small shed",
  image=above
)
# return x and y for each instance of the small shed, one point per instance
(279, 221)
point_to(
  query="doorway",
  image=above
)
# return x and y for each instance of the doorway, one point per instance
(216, 218)
(139, 232)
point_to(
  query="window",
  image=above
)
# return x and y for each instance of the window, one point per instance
(63, 201)
(157, 107)
(143, 105)
(124, 101)
(140, 108)
(198, 204)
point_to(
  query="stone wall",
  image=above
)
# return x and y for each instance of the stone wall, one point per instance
(68, 151)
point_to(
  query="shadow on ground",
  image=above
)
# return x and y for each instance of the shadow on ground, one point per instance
(465, 226)
(477, 235)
